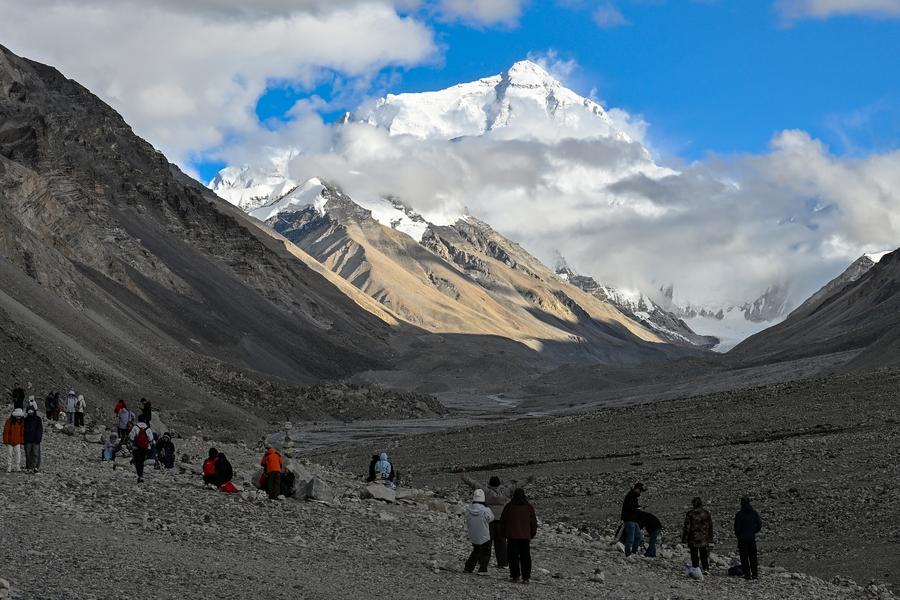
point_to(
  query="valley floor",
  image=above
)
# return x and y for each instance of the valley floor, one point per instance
(819, 456)
(82, 529)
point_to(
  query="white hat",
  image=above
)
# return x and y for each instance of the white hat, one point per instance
(478, 496)
(19, 413)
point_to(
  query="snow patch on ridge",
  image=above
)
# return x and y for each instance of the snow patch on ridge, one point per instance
(308, 194)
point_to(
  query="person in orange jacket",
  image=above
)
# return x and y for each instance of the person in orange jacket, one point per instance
(13, 438)
(272, 465)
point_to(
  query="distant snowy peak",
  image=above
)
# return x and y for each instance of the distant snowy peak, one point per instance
(249, 188)
(525, 100)
(877, 256)
(639, 307)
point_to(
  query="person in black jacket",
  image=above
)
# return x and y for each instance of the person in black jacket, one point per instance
(746, 525)
(146, 411)
(631, 514)
(34, 435)
(653, 525)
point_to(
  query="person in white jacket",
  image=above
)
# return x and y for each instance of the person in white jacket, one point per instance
(71, 400)
(478, 523)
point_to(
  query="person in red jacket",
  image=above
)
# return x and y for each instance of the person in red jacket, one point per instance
(271, 463)
(14, 438)
(520, 526)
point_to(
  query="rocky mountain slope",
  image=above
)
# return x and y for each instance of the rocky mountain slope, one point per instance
(862, 315)
(121, 276)
(463, 278)
(639, 307)
(857, 269)
(204, 544)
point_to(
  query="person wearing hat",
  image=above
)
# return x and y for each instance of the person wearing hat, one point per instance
(496, 495)
(746, 525)
(631, 517)
(698, 534)
(71, 401)
(478, 521)
(34, 435)
(14, 438)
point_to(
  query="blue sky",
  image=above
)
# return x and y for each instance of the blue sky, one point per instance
(720, 77)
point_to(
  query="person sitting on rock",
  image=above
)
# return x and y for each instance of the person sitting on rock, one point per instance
(698, 534)
(165, 451)
(272, 465)
(13, 439)
(371, 477)
(478, 520)
(217, 470)
(384, 470)
(34, 435)
(519, 523)
(652, 525)
(111, 447)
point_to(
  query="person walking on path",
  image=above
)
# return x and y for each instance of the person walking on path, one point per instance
(34, 436)
(631, 514)
(71, 401)
(746, 525)
(80, 407)
(271, 463)
(141, 437)
(698, 534)
(496, 496)
(520, 526)
(13, 439)
(478, 521)
(652, 524)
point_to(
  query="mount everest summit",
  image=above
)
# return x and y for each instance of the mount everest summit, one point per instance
(523, 103)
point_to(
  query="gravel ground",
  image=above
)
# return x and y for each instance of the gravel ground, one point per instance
(83, 529)
(819, 457)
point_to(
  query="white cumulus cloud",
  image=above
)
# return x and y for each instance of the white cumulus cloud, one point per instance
(793, 10)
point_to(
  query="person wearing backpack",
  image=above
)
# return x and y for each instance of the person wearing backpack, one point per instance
(34, 435)
(80, 406)
(141, 437)
(271, 464)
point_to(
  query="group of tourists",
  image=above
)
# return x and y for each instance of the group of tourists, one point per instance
(696, 534)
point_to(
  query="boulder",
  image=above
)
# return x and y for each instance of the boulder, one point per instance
(316, 489)
(379, 492)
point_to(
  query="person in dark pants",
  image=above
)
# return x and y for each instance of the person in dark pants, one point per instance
(746, 525)
(698, 534)
(631, 512)
(653, 525)
(520, 526)
(478, 520)
(141, 437)
(496, 496)
(146, 411)
(34, 435)
(272, 466)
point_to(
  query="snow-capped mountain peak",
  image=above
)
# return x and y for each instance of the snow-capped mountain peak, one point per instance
(523, 101)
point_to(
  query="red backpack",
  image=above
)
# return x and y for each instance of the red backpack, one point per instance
(142, 440)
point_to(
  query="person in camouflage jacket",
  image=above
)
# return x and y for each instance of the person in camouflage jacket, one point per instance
(698, 533)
